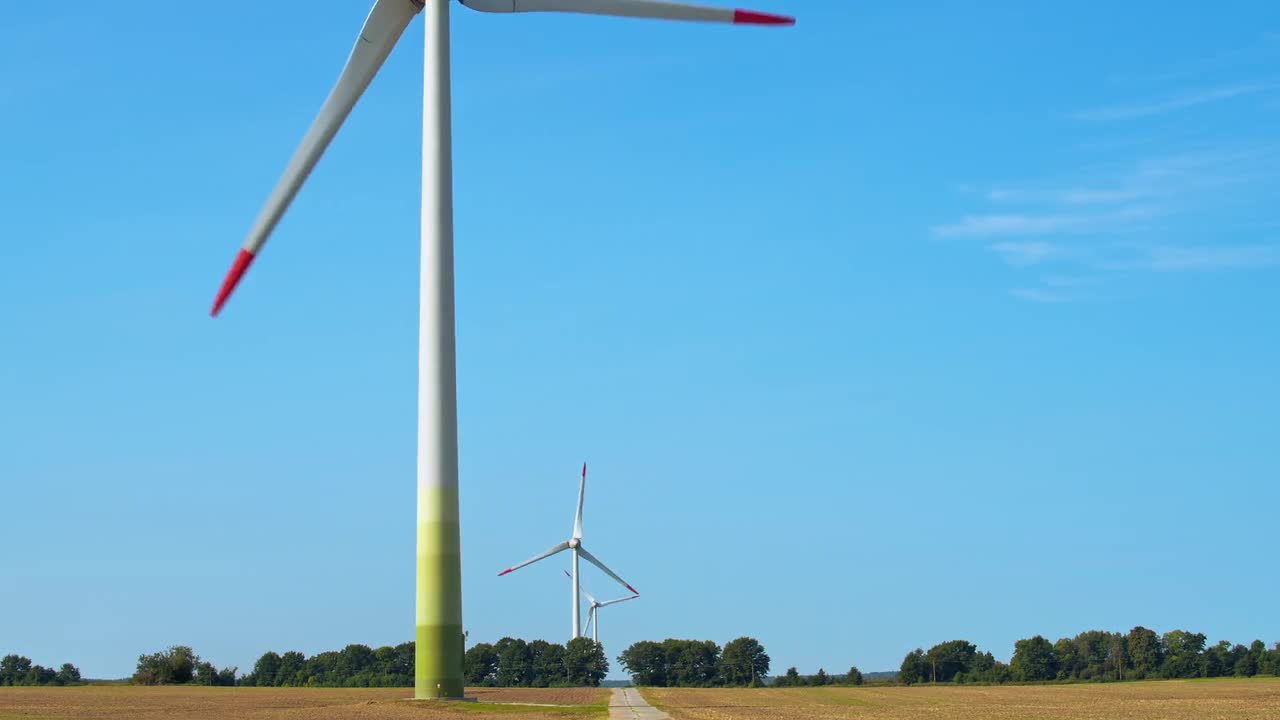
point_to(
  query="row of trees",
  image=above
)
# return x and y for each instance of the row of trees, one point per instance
(696, 663)
(794, 679)
(179, 665)
(353, 666)
(512, 662)
(18, 670)
(1095, 655)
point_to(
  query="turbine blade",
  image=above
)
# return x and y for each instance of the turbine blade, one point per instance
(656, 9)
(582, 491)
(385, 24)
(580, 588)
(561, 547)
(607, 603)
(592, 559)
(591, 618)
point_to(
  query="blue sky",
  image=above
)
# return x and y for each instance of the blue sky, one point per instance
(913, 322)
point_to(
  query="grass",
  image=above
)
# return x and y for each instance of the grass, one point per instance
(104, 702)
(1220, 699)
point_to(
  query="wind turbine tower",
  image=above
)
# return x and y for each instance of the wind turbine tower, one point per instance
(438, 637)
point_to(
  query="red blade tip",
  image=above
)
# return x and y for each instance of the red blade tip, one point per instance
(633, 590)
(584, 469)
(238, 268)
(504, 572)
(750, 17)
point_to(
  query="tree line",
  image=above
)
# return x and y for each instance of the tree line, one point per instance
(355, 665)
(512, 662)
(18, 670)
(179, 665)
(791, 678)
(696, 663)
(1095, 655)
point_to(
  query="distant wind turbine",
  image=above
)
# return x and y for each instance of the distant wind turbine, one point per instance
(574, 544)
(593, 612)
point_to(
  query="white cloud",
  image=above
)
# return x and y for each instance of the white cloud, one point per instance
(1004, 225)
(1186, 100)
(1029, 252)
(1042, 295)
(1171, 258)
(991, 225)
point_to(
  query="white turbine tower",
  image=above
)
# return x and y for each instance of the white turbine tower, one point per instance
(439, 646)
(574, 545)
(593, 612)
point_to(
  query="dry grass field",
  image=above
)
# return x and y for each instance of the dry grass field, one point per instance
(102, 702)
(1225, 699)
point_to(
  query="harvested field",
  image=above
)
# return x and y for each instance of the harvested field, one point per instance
(1219, 699)
(100, 702)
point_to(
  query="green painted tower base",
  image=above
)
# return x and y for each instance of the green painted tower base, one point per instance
(438, 643)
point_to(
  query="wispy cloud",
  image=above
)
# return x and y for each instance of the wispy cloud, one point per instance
(994, 225)
(1071, 196)
(1180, 102)
(1006, 225)
(1173, 258)
(1044, 295)
(1027, 253)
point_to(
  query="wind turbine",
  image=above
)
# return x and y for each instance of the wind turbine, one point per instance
(593, 612)
(438, 637)
(574, 545)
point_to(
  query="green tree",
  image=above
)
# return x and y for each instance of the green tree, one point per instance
(1182, 654)
(585, 662)
(1146, 652)
(854, 676)
(515, 664)
(691, 663)
(790, 678)
(353, 662)
(480, 665)
(821, 678)
(548, 663)
(1250, 663)
(743, 661)
(914, 668)
(292, 672)
(1034, 659)
(266, 670)
(40, 675)
(1070, 662)
(14, 669)
(205, 674)
(175, 666)
(947, 659)
(68, 674)
(646, 663)
(321, 669)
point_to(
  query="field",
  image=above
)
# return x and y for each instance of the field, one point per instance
(1225, 699)
(101, 702)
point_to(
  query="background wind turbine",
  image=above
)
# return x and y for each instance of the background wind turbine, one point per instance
(574, 545)
(438, 637)
(593, 612)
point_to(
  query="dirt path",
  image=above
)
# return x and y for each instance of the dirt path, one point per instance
(627, 704)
